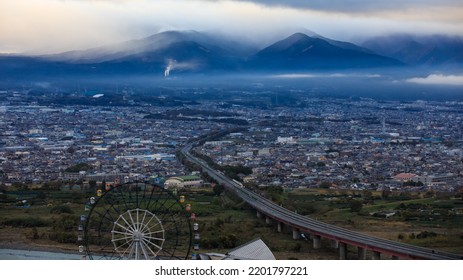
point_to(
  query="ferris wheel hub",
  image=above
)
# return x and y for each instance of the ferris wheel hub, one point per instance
(138, 236)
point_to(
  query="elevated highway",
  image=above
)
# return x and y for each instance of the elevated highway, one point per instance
(301, 224)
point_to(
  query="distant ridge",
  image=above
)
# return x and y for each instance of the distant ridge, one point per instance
(301, 52)
(419, 50)
(196, 52)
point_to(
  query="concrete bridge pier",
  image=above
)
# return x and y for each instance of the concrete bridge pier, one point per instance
(268, 220)
(279, 227)
(362, 253)
(296, 234)
(317, 242)
(259, 215)
(342, 251)
(375, 255)
(334, 243)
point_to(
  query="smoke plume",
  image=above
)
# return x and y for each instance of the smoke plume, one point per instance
(172, 64)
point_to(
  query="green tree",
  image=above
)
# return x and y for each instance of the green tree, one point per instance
(78, 167)
(385, 193)
(355, 206)
(325, 185)
(218, 189)
(92, 184)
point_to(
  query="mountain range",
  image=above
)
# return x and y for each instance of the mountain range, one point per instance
(195, 52)
(419, 50)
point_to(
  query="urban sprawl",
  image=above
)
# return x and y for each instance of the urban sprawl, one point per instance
(328, 142)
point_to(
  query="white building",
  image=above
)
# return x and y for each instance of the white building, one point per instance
(190, 181)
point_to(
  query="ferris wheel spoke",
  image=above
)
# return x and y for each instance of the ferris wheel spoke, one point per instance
(149, 248)
(154, 232)
(162, 205)
(158, 206)
(122, 197)
(122, 232)
(136, 254)
(131, 252)
(129, 248)
(168, 253)
(103, 215)
(143, 219)
(153, 238)
(136, 195)
(166, 213)
(104, 251)
(144, 192)
(154, 244)
(121, 238)
(143, 250)
(111, 202)
(129, 224)
(156, 224)
(123, 244)
(171, 227)
(150, 198)
(134, 225)
(123, 227)
(149, 221)
(138, 220)
(109, 213)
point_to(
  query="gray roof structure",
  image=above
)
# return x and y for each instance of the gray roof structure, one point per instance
(253, 250)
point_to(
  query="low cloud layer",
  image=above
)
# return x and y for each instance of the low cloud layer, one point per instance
(49, 26)
(334, 75)
(439, 79)
(358, 5)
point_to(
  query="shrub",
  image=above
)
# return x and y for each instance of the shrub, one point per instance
(26, 222)
(34, 234)
(426, 234)
(297, 247)
(60, 209)
(356, 206)
(63, 237)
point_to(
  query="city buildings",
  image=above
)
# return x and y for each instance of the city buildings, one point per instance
(343, 143)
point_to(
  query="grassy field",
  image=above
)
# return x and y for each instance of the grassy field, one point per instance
(49, 220)
(435, 222)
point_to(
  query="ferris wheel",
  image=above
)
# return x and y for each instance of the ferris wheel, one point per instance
(136, 221)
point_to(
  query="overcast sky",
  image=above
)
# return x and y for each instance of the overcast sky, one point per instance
(47, 26)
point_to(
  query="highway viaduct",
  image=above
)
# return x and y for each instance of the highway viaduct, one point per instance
(339, 237)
